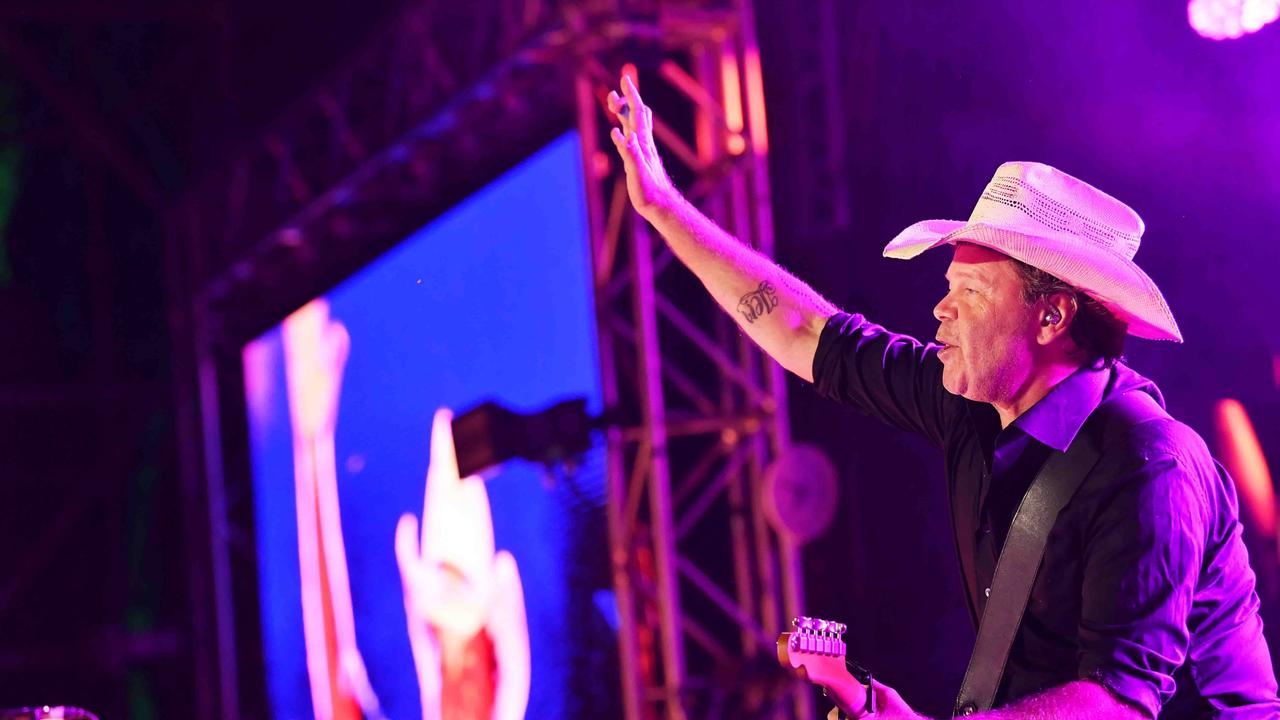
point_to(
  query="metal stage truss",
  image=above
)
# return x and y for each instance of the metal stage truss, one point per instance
(439, 101)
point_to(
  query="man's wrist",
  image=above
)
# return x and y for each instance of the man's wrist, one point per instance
(666, 206)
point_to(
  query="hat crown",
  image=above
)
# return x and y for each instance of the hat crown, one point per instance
(1028, 193)
(1049, 220)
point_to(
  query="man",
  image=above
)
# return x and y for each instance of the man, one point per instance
(1144, 604)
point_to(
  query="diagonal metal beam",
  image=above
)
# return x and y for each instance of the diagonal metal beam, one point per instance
(712, 490)
(89, 128)
(730, 606)
(723, 362)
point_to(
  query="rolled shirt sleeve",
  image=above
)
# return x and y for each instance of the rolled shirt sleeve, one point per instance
(1143, 555)
(889, 376)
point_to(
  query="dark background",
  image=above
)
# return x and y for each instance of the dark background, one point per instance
(107, 114)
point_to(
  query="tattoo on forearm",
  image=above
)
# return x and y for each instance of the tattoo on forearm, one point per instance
(758, 302)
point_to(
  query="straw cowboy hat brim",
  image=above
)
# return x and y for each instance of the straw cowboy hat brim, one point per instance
(1065, 227)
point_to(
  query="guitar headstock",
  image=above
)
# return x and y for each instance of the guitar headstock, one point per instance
(816, 646)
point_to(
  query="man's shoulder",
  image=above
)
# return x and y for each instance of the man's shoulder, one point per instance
(1158, 457)
(1152, 439)
(1134, 423)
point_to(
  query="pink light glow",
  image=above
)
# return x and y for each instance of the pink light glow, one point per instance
(1242, 455)
(1229, 19)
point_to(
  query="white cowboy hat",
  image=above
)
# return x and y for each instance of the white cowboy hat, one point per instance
(1065, 227)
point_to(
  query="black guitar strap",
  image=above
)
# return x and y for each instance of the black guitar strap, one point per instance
(1054, 486)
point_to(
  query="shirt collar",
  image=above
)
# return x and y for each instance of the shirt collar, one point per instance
(1058, 416)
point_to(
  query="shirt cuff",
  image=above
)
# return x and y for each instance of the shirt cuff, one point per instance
(1129, 690)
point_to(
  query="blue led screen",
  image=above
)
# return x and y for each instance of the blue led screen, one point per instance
(491, 301)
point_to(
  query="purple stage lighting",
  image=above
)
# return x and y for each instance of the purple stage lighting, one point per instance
(1230, 19)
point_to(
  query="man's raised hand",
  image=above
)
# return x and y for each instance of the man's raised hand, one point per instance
(647, 181)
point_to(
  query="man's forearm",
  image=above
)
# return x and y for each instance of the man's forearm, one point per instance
(1079, 700)
(780, 313)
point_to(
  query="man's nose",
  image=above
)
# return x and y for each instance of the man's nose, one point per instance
(945, 309)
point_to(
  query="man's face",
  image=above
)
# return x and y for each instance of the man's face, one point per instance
(988, 331)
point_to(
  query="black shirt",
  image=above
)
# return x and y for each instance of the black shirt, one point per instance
(1145, 577)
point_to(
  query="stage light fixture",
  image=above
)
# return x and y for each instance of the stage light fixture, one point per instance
(1230, 19)
(491, 434)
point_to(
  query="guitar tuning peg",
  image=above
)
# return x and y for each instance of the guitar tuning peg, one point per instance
(820, 625)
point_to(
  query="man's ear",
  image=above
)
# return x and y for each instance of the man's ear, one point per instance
(1056, 313)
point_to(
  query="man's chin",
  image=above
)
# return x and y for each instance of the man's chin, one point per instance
(952, 384)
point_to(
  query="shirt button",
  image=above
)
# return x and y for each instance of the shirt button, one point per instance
(987, 592)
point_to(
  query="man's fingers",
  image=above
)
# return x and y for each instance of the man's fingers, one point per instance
(621, 109)
(627, 145)
(617, 105)
(629, 89)
(636, 108)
